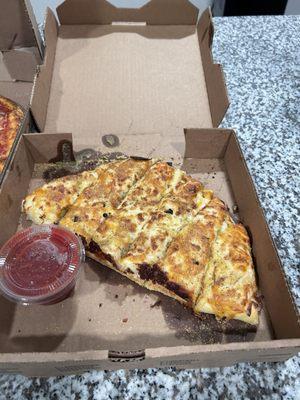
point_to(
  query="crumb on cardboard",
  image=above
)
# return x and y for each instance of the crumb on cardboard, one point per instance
(156, 304)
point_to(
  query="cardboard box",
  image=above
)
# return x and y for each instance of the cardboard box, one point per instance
(20, 54)
(88, 331)
(142, 76)
(103, 75)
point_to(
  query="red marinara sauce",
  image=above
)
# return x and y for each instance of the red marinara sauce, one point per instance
(40, 265)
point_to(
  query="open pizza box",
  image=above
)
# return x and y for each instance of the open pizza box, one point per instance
(20, 53)
(139, 82)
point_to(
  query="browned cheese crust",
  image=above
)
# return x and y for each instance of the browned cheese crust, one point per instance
(159, 227)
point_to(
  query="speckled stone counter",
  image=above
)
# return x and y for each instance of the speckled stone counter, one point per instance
(259, 56)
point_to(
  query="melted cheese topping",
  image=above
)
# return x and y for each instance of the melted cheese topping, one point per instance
(48, 204)
(116, 234)
(229, 285)
(159, 227)
(177, 208)
(100, 200)
(188, 255)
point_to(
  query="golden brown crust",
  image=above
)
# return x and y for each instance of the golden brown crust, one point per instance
(163, 230)
(230, 288)
(11, 116)
(187, 256)
(147, 284)
(49, 203)
(116, 234)
(100, 200)
(176, 209)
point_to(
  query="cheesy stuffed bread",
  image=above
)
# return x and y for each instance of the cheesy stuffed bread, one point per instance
(159, 227)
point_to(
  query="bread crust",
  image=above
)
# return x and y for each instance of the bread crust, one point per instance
(161, 229)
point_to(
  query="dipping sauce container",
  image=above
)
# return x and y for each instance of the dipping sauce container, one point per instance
(40, 265)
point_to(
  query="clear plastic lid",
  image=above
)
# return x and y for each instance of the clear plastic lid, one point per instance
(40, 264)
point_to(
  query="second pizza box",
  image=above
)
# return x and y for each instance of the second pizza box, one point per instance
(21, 52)
(134, 81)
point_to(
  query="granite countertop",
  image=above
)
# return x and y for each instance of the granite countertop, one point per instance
(259, 56)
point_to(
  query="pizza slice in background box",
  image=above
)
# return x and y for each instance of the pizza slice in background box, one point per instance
(20, 52)
(11, 116)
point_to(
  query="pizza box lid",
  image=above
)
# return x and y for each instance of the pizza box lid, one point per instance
(110, 70)
(18, 26)
(21, 52)
(21, 45)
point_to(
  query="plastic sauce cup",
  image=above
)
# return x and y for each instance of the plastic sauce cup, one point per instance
(40, 265)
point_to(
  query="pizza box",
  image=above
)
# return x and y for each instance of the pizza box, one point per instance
(111, 70)
(135, 81)
(110, 322)
(21, 50)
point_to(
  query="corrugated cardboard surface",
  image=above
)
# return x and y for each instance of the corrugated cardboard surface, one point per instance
(21, 64)
(15, 25)
(145, 84)
(17, 91)
(4, 74)
(216, 355)
(18, 27)
(155, 12)
(20, 53)
(127, 78)
(109, 79)
(214, 77)
(108, 313)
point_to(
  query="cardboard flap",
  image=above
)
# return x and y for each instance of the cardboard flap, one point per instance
(34, 26)
(4, 73)
(18, 92)
(155, 12)
(17, 25)
(41, 85)
(214, 77)
(206, 143)
(193, 143)
(272, 282)
(158, 146)
(129, 79)
(21, 64)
